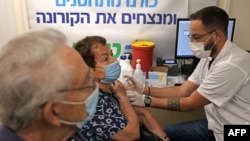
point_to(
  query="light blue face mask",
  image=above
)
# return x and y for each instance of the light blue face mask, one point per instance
(112, 72)
(90, 102)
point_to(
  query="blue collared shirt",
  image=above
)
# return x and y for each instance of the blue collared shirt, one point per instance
(7, 134)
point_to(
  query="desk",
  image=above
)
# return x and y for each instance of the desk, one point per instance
(173, 80)
(166, 117)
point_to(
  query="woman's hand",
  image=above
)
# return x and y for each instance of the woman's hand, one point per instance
(118, 89)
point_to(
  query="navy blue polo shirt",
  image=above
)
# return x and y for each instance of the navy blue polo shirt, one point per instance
(7, 134)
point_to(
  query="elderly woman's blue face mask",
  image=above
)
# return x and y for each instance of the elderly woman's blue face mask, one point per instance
(112, 72)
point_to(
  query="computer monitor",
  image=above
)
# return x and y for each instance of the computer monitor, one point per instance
(182, 49)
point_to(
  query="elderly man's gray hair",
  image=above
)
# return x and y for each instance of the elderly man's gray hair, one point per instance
(31, 73)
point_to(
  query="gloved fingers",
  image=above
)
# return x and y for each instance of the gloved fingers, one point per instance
(131, 99)
(130, 92)
(130, 83)
(127, 76)
(134, 103)
(137, 93)
(128, 88)
(138, 102)
(131, 78)
(131, 95)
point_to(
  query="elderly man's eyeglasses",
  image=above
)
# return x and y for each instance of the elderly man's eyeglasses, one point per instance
(93, 87)
(197, 37)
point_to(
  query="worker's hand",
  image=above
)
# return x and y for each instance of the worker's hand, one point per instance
(135, 98)
(134, 84)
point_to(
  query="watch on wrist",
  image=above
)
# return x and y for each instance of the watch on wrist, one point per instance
(147, 101)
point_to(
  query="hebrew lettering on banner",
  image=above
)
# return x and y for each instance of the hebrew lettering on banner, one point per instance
(121, 22)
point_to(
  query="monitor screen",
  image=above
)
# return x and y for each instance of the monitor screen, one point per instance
(182, 49)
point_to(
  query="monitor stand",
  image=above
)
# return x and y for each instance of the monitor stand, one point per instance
(188, 69)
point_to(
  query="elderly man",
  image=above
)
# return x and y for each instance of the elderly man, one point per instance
(47, 92)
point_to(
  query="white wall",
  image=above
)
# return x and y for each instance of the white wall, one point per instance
(7, 24)
(240, 10)
(13, 19)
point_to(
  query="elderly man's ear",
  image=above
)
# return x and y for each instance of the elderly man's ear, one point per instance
(50, 116)
(98, 73)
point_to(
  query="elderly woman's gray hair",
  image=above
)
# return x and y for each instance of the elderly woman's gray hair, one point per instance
(31, 74)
